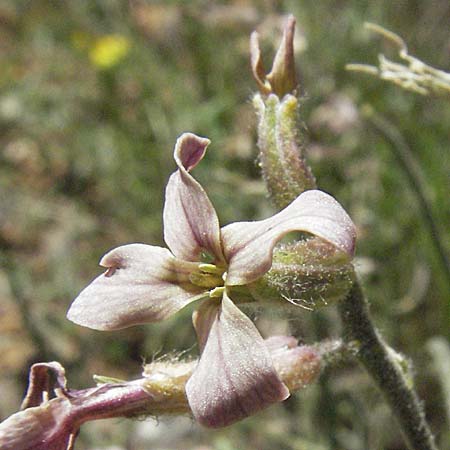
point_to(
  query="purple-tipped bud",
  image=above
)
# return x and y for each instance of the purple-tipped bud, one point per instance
(281, 156)
(282, 78)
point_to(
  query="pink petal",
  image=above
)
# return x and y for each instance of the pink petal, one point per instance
(235, 377)
(280, 343)
(189, 150)
(248, 246)
(46, 427)
(142, 284)
(191, 225)
(203, 319)
(41, 379)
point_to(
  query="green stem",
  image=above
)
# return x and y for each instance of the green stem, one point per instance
(379, 360)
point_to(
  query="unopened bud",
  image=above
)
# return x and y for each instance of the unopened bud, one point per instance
(297, 365)
(282, 79)
(281, 154)
(310, 273)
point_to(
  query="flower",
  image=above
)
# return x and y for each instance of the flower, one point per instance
(51, 413)
(109, 50)
(235, 376)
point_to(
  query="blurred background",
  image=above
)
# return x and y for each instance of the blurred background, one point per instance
(93, 94)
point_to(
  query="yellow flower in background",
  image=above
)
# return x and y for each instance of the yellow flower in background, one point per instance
(109, 50)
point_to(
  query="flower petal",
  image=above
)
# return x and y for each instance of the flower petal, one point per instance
(235, 376)
(203, 319)
(191, 225)
(41, 378)
(248, 246)
(259, 74)
(142, 284)
(45, 427)
(282, 77)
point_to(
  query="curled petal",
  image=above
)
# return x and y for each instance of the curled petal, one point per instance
(248, 246)
(41, 383)
(191, 225)
(142, 284)
(189, 150)
(235, 376)
(54, 424)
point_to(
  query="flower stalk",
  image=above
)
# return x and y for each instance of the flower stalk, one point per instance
(287, 174)
(385, 367)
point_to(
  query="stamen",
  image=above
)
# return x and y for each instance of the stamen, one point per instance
(206, 280)
(217, 292)
(210, 268)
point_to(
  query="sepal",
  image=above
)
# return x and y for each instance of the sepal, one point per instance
(309, 274)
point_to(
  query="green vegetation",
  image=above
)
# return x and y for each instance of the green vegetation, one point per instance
(93, 95)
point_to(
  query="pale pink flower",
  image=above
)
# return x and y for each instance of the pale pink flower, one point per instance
(235, 376)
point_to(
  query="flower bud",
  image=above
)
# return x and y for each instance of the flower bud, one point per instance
(282, 79)
(297, 365)
(281, 157)
(309, 273)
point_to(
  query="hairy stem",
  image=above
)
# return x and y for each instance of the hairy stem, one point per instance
(387, 371)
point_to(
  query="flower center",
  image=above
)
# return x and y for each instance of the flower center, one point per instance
(211, 277)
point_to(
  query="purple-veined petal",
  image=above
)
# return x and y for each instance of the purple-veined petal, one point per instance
(46, 427)
(203, 318)
(142, 284)
(189, 150)
(235, 376)
(248, 246)
(191, 225)
(42, 377)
